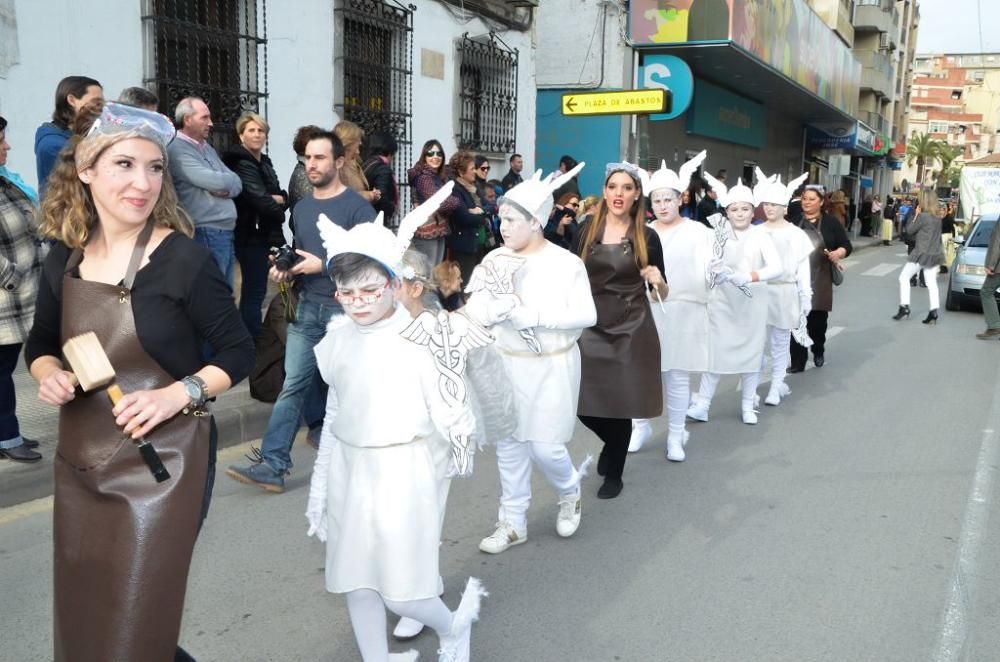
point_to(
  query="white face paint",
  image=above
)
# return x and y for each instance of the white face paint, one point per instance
(517, 230)
(367, 298)
(740, 214)
(773, 212)
(666, 205)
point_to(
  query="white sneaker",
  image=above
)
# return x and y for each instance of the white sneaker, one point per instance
(455, 646)
(750, 417)
(407, 628)
(505, 537)
(675, 447)
(408, 656)
(698, 410)
(570, 508)
(641, 432)
(776, 393)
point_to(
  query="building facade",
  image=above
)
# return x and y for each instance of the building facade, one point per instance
(955, 99)
(458, 71)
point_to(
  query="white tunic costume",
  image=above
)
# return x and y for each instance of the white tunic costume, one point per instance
(794, 248)
(738, 323)
(385, 419)
(682, 321)
(546, 386)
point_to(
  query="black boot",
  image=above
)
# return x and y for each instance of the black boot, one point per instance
(913, 281)
(602, 463)
(932, 317)
(904, 311)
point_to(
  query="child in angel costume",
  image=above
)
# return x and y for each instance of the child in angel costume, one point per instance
(535, 297)
(681, 320)
(376, 494)
(744, 260)
(789, 296)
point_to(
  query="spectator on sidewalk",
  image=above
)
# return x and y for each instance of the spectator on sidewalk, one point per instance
(205, 186)
(708, 205)
(260, 213)
(352, 174)
(382, 149)
(426, 177)
(567, 163)
(139, 97)
(345, 207)
(513, 176)
(21, 257)
(72, 94)
(298, 184)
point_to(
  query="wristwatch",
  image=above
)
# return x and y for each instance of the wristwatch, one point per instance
(196, 389)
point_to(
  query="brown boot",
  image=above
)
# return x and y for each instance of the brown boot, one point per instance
(988, 334)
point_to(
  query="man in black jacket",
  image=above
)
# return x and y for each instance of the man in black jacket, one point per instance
(378, 171)
(707, 206)
(513, 176)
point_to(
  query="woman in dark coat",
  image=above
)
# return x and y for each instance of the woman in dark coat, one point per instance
(467, 219)
(830, 245)
(378, 171)
(260, 213)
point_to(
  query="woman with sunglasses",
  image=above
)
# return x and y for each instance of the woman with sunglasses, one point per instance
(830, 245)
(425, 177)
(620, 375)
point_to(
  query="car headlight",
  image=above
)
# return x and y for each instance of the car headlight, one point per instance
(972, 269)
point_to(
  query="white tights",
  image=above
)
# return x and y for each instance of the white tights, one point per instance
(910, 269)
(515, 459)
(677, 388)
(710, 382)
(367, 610)
(779, 349)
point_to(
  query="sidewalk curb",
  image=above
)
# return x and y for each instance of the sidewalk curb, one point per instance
(27, 482)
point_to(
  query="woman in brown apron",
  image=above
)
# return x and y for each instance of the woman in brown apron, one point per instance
(124, 269)
(620, 375)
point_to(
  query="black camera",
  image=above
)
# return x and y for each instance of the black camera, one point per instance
(285, 257)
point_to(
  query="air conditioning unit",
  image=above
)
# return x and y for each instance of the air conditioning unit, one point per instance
(885, 42)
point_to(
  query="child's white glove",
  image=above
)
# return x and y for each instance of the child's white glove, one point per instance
(523, 318)
(739, 279)
(805, 303)
(316, 514)
(488, 310)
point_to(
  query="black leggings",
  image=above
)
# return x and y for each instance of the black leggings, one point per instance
(816, 324)
(616, 434)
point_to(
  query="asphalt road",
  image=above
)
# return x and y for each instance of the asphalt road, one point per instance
(854, 523)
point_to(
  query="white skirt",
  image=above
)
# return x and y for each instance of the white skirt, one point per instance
(783, 305)
(386, 506)
(683, 330)
(737, 328)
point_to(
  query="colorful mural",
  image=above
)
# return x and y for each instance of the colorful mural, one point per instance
(784, 34)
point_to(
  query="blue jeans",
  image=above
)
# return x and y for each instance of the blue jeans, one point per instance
(254, 266)
(299, 387)
(220, 245)
(10, 432)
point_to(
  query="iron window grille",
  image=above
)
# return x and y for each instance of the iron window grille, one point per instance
(488, 95)
(376, 55)
(214, 50)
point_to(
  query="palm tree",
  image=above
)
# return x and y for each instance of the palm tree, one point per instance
(922, 149)
(946, 157)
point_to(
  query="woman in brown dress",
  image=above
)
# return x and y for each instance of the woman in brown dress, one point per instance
(620, 376)
(124, 267)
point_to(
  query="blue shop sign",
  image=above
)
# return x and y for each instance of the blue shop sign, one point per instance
(831, 135)
(670, 73)
(718, 113)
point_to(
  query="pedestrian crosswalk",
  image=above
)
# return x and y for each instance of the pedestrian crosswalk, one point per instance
(883, 269)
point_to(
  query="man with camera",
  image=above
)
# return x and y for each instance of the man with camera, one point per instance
(306, 267)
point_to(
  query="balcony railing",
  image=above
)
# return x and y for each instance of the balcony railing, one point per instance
(876, 74)
(876, 15)
(875, 121)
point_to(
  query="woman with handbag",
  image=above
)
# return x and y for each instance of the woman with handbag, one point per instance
(830, 245)
(124, 267)
(924, 232)
(425, 178)
(467, 238)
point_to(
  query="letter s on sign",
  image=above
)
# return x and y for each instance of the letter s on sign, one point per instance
(656, 75)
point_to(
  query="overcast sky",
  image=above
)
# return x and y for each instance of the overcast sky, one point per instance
(951, 26)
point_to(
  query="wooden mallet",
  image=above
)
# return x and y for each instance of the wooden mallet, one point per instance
(92, 370)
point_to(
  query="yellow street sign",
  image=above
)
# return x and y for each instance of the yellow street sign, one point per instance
(616, 103)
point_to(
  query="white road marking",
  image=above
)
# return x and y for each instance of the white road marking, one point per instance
(961, 593)
(883, 269)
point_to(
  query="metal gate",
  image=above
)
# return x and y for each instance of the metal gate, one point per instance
(377, 59)
(488, 121)
(214, 50)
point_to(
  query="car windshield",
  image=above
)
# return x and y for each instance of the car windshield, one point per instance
(981, 234)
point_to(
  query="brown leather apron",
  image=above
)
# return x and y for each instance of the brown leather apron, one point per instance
(620, 376)
(123, 542)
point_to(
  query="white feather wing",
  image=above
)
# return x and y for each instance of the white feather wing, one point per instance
(421, 215)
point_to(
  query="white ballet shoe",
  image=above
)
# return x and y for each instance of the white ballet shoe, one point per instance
(777, 391)
(749, 416)
(641, 432)
(675, 446)
(698, 410)
(407, 628)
